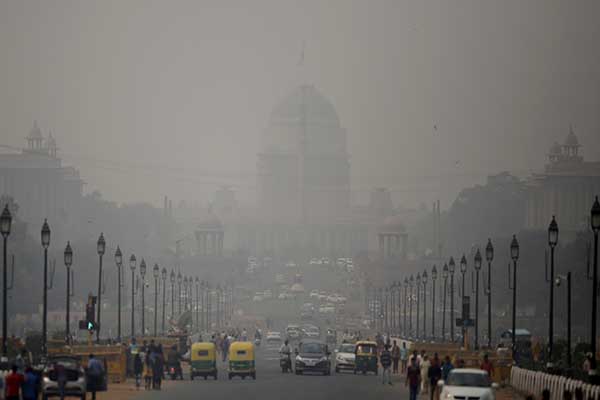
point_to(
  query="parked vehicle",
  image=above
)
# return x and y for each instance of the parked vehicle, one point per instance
(467, 383)
(76, 385)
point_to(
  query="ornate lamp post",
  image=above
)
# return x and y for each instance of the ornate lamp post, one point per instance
(433, 279)
(445, 277)
(552, 241)
(595, 223)
(45, 244)
(451, 269)
(463, 270)
(477, 266)
(197, 280)
(568, 279)
(185, 285)
(406, 300)
(119, 263)
(101, 247)
(132, 265)
(386, 297)
(172, 278)
(5, 222)
(68, 262)
(179, 281)
(424, 281)
(489, 256)
(143, 275)
(418, 285)
(398, 305)
(514, 254)
(156, 274)
(411, 285)
(164, 293)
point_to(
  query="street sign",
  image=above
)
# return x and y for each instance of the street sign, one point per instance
(465, 323)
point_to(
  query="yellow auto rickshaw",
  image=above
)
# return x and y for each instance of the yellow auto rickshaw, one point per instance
(203, 360)
(366, 357)
(241, 360)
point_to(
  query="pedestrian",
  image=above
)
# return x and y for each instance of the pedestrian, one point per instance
(403, 357)
(225, 348)
(157, 369)
(61, 378)
(413, 378)
(487, 366)
(385, 359)
(13, 382)
(434, 374)
(425, 364)
(147, 372)
(395, 357)
(446, 367)
(138, 369)
(30, 385)
(95, 372)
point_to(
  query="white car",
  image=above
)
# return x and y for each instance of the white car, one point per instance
(325, 261)
(345, 357)
(468, 383)
(257, 298)
(273, 337)
(314, 294)
(315, 261)
(291, 264)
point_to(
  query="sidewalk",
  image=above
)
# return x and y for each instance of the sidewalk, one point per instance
(127, 390)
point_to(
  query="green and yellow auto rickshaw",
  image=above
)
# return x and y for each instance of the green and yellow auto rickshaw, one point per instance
(366, 357)
(203, 360)
(241, 360)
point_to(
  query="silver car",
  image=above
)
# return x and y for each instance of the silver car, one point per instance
(75, 385)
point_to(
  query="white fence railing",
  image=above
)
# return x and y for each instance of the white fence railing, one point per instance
(534, 382)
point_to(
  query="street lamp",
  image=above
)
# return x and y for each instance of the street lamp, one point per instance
(45, 244)
(179, 280)
(119, 263)
(164, 286)
(514, 254)
(404, 325)
(445, 277)
(451, 269)
(68, 262)
(172, 278)
(156, 274)
(132, 265)
(433, 279)
(5, 222)
(185, 284)
(424, 281)
(143, 275)
(197, 304)
(595, 223)
(489, 256)
(418, 285)
(477, 266)
(568, 279)
(552, 241)
(411, 284)
(101, 247)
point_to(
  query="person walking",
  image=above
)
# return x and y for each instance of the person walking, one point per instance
(487, 366)
(138, 369)
(434, 374)
(395, 357)
(29, 388)
(12, 383)
(425, 364)
(446, 367)
(95, 372)
(147, 372)
(404, 357)
(385, 359)
(413, 378)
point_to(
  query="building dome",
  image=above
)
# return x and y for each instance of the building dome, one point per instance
(211, 222)
(35, 133)
(393, 224)
(307, 104)
(571, 139)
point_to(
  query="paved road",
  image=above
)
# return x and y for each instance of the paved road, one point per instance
(271, 384)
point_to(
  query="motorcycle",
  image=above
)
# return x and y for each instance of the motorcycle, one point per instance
(285, 361)
(257, 342)
(175, 371)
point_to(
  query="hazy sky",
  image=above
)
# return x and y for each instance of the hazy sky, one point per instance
(150, 98)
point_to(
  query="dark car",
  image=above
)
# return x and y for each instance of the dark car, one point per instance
(312, 356)
(75, 384)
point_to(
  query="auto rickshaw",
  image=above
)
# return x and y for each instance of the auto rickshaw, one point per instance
(241, 360)
(366, 357)
(203, 360)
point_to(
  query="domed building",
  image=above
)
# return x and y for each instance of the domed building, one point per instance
(303, 167)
